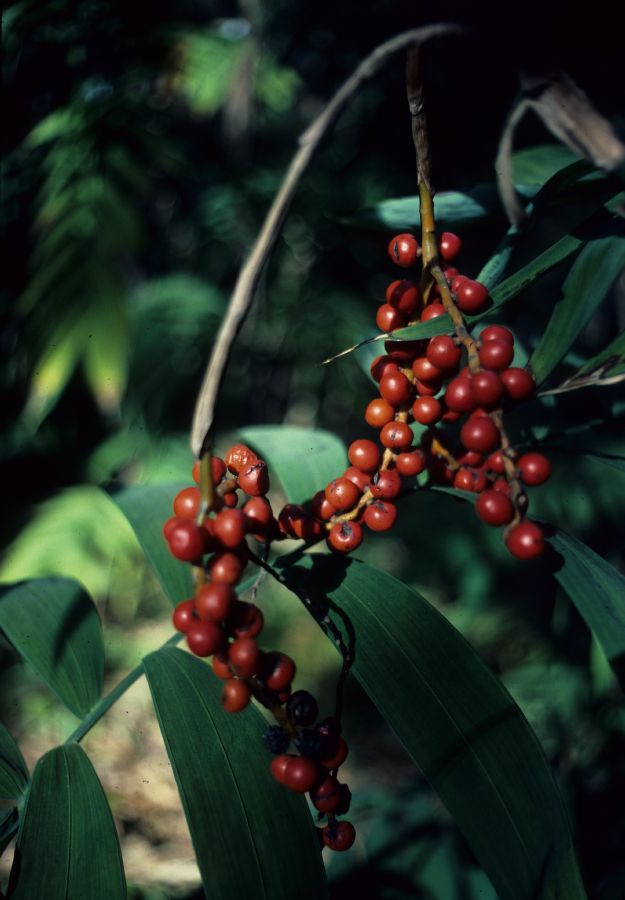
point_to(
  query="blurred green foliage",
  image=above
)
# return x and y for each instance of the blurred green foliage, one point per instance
(141, 149)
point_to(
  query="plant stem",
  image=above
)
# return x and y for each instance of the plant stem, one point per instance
(103, 705)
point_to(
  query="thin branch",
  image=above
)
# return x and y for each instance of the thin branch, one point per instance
(247, 282)
(503, 166)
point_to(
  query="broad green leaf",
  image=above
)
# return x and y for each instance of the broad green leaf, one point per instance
(457, 721)
(208, 63)
(598, 591)
(610, 361)
(535, 165)
(61, 123)
(53, 624)
(252, 838)
(147, 508)
(67, 845)
(53, 370)
(615, 462)
(13, 770)
(9, 823)
(107, 351)
(302, 460)
(590, 279)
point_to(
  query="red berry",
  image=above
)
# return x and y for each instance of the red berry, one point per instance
(496, 333)
(337, 757)
(276, 670)
(479, 434)
(518, 383)
(486, 388)
(433, 311)
(213, 601)
(495, 463)
(220, 665)
(381, 365)
(458, 396)
(254, 480)
(410, 464)
(449, 245)
(205, 638)
(404, 296)
(218, 469)
(403, 352)
(386, 484)
(168, 526)
(321, 506)
(388, 319)
(279, 765)
(186, 540)
(443, 353)
(183, 615)
(229, 528)
(187, 503)
(396, 436)
(395, 388)
(525, 540)
(471, 296)
(470, 480)
(342, 494)
(326, 795)
(471, 459)
(502, 486)
(245, 620)
(230, 499)
(239, 457)
(360, 479)
(379, 412)
(425, 370)
(235, 695)
(258, 515)
(427, 410)
(496, 354)
(295, 521)
(226, 567)
(365, 455)
(403, 250)
(338, 835)
(494, 508)
(243, 656)
(380, 515)
(300, 774)
(345, 536)
(534, 468)
(427, 388)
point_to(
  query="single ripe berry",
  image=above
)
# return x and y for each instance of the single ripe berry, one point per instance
(342, 494)
(496, 354)
(449, 245)
(380, 515)
(404, 296)
(428, 388)
(471, 459)
(403, 352)
(403, 250)
(496, 333)
(424, 370)
(525, 540)
(276, 670)
(360, 479)
(479, 434)
(326, 795)
(187, 503)
(243, 656)
(337, 754)
(183, 615)
(218, 470)
(433, 311)
(470, 480)
(502, 486)
(226, 567)
(258, 515)
(427, 410)
(235, 695)
(186, 540)
(302, 708)
(279, 766)
(386, 484)
(345, 801)
(300, 774)
(495, 463)
(381, 365)
(396, 436)
(518, 383)
(486, 388)
(230, 499)
(443, 353)
(494, 508)
(213, 601)
(245, 619)
(205, 638)
(379, 412)
(471, 296)
(338, 835)
(410, 464)
(345, 536)
(388, 318)
(395, 388)
(220, 665)
(254, 480)
(458, 397)
(534, 468)
(365, 455)
(229, 528)
(321, 506)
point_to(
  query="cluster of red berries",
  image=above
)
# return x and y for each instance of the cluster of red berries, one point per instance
(428, 382)
(216, 623)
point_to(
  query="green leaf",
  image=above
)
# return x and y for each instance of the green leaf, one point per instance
(535, 165)
(53, 624)
(67, 846)
(598, 591)
(610, 361)
(587, 284)
(107, 351)
(13, 770)
(252, 838)
(147, 508)
(459, 724)
(303, 460)
(207, 69)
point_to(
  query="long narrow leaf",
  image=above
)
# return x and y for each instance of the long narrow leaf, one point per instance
(13, 770)
(252, 837)
(67, 845)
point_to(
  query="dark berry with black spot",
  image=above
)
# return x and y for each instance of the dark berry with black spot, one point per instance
(302, 708)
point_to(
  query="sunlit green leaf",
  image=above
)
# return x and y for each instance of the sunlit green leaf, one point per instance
(252, 838)
(208, 63)
(67, 845)
(303, 460)
(54, 625)
(107, 351)
(13, 771)
(459, 724)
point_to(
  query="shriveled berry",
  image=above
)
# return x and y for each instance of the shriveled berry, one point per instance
(404, 296)
(186, 540)
(525, 540)
(379, 412)
(496, 355)
(239, 457)
(386, 484)
(388, 319)
(494, 508)
(183, 615)
(213, 601)
(479, 434)
(518, 383)
(396, 436)
(404, 250)
(302, 708)
(534, 468)
(410, 464)
(395, 388)
(345, 536)
(339, 835)
(205, 638)
(364, 455)
(235, 695)
(243, 657)
(254, 480)
(443, 353)
(229, 528)
(380, 515)
(342, 494)
(449, 245)
(471, 296)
